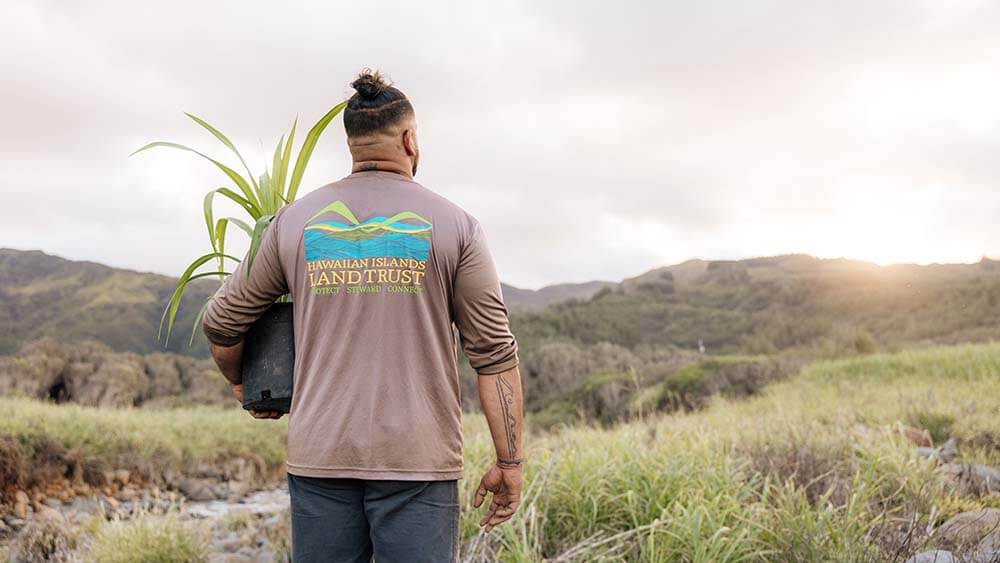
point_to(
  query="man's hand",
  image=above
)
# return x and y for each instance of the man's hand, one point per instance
(238, 393)
(505, 484)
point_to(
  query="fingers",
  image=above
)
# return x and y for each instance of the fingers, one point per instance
(266, 414)
(480, 495)
(500, 511)
(501, 515)
(489, 515)
(507, 511)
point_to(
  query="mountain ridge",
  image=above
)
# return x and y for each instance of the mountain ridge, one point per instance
(755, 305)
(44, 295)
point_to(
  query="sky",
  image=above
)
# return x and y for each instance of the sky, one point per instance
(593, 140)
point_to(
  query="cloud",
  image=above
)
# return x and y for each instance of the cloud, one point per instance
(594, 141)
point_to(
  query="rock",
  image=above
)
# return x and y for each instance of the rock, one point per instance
(52, 502)
(237, 488)
(933, 556)
(47, 513)
(86, 505)
(230, 558)
(20, 505)
(128, 493)
(946, 453)
(916, 436)
(977, 531)
(122, 476)
(16, 523)
(972, 479)
(197, 489)
(229, 543)
(986, 556)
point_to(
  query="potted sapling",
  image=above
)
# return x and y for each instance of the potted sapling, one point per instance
(269, 351)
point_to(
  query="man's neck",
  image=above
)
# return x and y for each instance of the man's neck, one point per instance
(383, 165)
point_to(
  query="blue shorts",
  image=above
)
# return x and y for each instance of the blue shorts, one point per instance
(351, 520)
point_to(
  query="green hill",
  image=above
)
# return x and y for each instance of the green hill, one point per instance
(47, 296)
(766, 305)
(591, 338)
(519, 300)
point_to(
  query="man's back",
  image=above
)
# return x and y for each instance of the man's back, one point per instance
(378, 267)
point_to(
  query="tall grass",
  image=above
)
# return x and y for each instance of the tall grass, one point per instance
(149, 539)
(176, 437)
(808, 470)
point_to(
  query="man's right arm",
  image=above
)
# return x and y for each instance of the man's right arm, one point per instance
(240, 301)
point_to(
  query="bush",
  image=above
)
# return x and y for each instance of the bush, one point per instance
(11, 465)
(693, 385)
(149, 539)
(44, 539)
(554, 414)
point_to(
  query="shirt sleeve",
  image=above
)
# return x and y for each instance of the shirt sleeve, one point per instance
(243, 298)
(479, 310)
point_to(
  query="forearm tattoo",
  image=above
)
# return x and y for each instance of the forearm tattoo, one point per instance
(505, 391)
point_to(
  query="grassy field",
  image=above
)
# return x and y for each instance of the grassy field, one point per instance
(147, 440)
(809, 470)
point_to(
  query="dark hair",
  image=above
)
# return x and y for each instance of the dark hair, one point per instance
(375, 106)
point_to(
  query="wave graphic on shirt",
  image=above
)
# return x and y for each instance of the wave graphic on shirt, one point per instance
(403, 235)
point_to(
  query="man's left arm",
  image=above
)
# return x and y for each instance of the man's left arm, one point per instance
(240, 301)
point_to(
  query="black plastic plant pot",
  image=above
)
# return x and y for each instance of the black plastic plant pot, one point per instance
(269, 360)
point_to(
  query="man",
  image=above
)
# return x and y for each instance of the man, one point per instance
(379, 269)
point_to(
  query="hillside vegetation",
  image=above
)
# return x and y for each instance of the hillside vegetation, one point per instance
(810, 469)
(755, 306)
(46, 296)
(789, 302)
(90, 373)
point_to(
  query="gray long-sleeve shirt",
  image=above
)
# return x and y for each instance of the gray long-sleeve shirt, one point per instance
(378, 268)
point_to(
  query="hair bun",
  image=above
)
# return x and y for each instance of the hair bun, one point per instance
(369, 84)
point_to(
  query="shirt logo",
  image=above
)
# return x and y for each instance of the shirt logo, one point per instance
(380, 254)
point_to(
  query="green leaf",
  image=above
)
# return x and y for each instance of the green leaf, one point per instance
(266, 197)
(220, 238)
(255, 239)
(282, 173)
(276, 186)
(241, 201)
(170, 312)
(218, 135)
(209, 219)
(197, 320)
(242, 225)
(305, 153)
(240, 182)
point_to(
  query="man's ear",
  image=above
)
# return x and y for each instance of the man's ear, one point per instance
(410, 142)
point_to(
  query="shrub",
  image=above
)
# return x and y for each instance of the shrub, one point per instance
(11, 464)
(149, 539)
(44, 539)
